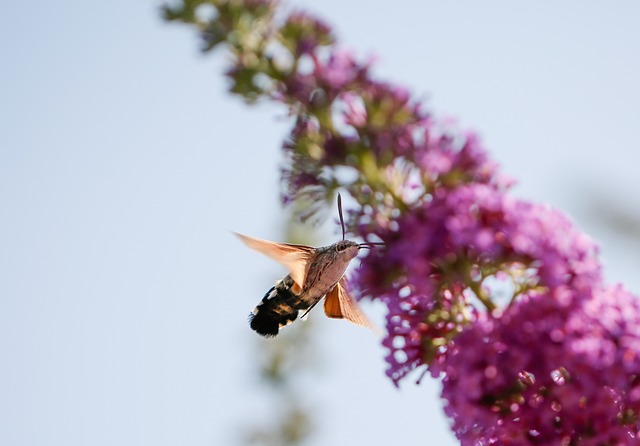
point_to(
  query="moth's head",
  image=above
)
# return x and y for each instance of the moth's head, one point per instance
(346, 249)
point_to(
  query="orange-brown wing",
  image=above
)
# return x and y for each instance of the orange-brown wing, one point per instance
(293, 257)
(332, 303)
(339, 304)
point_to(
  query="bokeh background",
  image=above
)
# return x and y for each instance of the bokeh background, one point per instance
(124, 165)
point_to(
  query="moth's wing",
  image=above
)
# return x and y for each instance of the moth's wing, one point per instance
(293, 257)
(340, 304)
(332, 303)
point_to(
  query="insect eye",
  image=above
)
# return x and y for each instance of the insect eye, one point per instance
(341, 247)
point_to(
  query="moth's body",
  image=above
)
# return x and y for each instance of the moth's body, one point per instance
(314, 273)
(326, 269)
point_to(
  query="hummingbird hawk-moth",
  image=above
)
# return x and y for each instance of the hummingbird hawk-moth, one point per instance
(314, 273)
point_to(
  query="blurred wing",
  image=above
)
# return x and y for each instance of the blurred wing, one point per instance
(339, 304)
(293, 257)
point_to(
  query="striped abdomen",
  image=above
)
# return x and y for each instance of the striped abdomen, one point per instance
(279, 307)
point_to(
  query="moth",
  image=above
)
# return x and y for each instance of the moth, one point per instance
(314, 273)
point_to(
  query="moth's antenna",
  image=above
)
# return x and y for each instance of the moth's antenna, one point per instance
(340, 214)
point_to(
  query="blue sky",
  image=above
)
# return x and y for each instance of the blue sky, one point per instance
(124, 165)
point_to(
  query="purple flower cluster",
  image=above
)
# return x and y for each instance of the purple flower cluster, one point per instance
(501, 298)
(514, 372)
(526, 370)
(443, 252)
(557, 368)
(328, 76)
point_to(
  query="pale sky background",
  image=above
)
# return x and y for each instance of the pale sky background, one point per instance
(124, 164)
